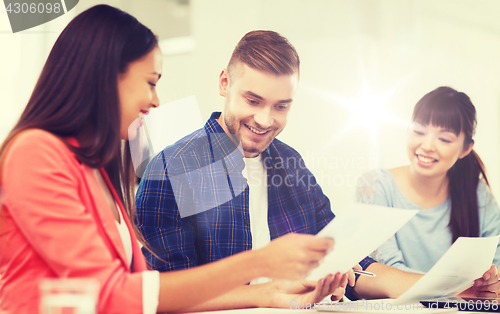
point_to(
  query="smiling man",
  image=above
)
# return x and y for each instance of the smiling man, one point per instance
(232, 186)
(258, 99)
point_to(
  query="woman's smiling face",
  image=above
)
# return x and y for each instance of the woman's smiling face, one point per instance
(433, 150)
(137, 91)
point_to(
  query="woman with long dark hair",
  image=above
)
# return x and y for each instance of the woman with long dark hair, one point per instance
(67, 183)
(445, 180)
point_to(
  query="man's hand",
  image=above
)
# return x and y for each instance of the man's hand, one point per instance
(350, 279)
(284, 294)
(487, 286)
(293, 256)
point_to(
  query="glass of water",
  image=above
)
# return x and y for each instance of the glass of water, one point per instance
(69, 296)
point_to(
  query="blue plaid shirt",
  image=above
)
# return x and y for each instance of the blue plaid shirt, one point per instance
(192, 202)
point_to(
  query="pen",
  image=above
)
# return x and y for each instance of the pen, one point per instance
(362, 272)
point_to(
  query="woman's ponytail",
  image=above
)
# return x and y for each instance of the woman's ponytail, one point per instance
(464, 179)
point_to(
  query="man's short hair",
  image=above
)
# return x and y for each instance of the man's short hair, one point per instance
(266, 51)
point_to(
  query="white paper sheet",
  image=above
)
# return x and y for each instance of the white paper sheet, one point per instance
(163, 126)
(172, 121)
(465, 261)
(358, 231)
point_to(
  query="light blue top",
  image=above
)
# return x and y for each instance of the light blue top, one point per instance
(419, 244)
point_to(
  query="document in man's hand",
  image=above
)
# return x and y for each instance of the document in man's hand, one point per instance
(358, 231)
(466, 260)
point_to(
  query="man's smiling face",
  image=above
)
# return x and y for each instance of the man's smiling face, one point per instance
(256, 107)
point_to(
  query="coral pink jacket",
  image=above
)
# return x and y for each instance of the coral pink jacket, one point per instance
(55, 222)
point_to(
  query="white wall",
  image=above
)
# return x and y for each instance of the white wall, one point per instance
(401, 49)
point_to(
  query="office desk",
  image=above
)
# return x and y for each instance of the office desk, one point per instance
(261, 311)
(297, 311)
(381, 310)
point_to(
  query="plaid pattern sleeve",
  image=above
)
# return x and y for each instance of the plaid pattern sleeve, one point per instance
(349, 291)
(192, 202)
(296, 202)
(170, 238)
